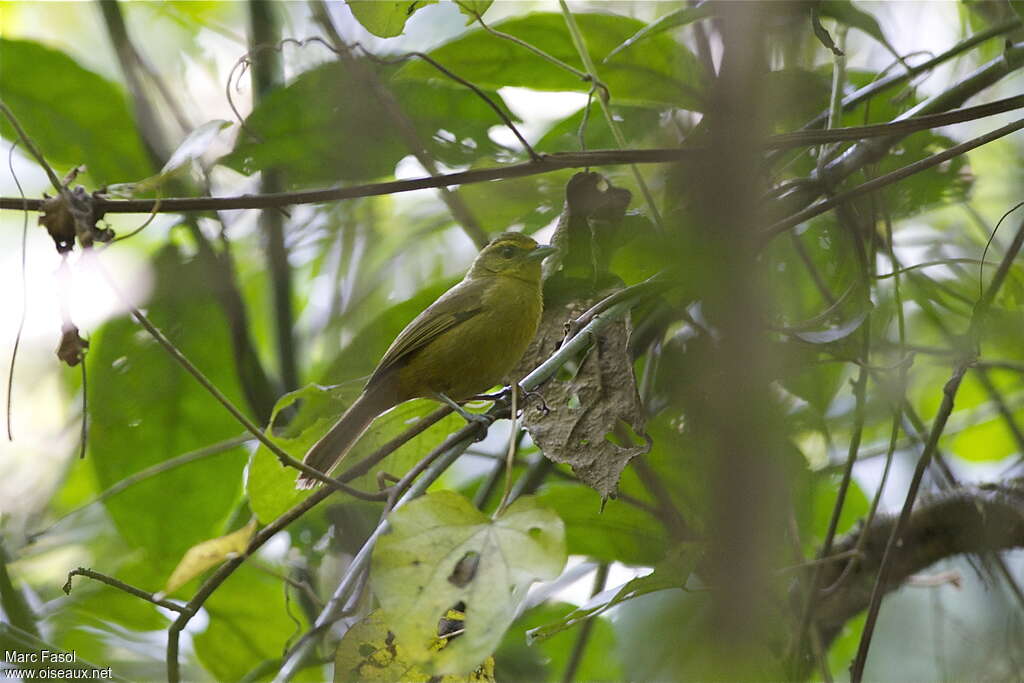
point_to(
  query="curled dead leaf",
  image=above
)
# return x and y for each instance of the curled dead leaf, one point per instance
(595, 420)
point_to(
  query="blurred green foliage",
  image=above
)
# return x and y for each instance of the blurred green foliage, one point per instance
(363, 268)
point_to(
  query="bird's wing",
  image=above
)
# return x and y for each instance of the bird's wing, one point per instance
(457, 305)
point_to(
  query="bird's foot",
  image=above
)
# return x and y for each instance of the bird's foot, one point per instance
(472, 418)
(506, 395)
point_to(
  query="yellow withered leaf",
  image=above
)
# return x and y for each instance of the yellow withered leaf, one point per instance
(202, 556)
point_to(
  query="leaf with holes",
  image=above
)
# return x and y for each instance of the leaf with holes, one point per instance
(443, 554)
(370, 653)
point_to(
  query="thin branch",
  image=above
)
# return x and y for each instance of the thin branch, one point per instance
(24, 297)
(545, 163)
(603, 97)
(267, 73)
(122, 586)
(582, 75)
(32, 149)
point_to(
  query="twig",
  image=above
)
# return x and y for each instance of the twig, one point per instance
(859, 411)
(122, 586)
(582, 75)
(546, 163)
(603, 97)
(266, 75)
(655, 284)
(24, 296)
(510, 458)
(945, 409)
(32, 149)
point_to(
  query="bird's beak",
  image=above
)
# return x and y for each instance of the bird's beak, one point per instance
(541, 252)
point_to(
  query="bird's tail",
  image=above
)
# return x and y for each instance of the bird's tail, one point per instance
(333, 445)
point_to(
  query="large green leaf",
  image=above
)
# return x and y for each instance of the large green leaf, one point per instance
(73, 115)
(250, 622)
(620, 532)
(144, 408)
(442, 552)
(341, 131)
(680, 17)
(851, 15)
(637, 124)
(385, 18)
(665, 73)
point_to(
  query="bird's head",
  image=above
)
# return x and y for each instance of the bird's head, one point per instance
(511, 254)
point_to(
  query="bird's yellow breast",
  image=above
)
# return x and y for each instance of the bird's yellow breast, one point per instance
(482, 350)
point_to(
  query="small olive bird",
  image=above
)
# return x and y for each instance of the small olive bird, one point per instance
(461, 345)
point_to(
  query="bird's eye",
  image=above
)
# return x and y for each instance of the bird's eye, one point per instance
(508, 251)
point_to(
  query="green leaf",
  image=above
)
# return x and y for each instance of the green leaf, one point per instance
(250, 622)
(681, 17)
(473, 8)
(140, 401)
(73, 115)
(638, 124)
(442, 552)
(620, 532)
(666, 73)
(271, 486)
(672, 573)
(452, 123)
(385, 18)
(848, 13)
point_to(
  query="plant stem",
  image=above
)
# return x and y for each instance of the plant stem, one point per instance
(266, 76)
(603, 97)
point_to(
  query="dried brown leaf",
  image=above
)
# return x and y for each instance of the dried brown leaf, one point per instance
(590, 416)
